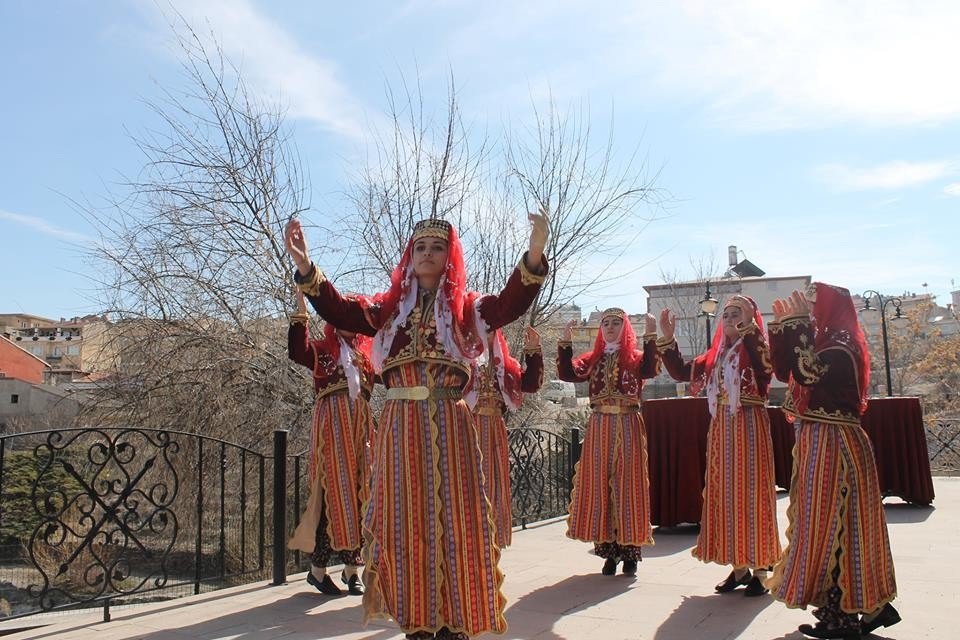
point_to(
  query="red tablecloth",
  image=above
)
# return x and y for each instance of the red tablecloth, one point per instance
(895, 428)
(677, 452)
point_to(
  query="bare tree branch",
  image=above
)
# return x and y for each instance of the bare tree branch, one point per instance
(193, 266)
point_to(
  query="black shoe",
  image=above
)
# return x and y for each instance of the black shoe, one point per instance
(732, 583)
(325, 586)
(354, 586)
(822, 630)
(887, 617)
(755, 588)
(609, 567)
(629, 567)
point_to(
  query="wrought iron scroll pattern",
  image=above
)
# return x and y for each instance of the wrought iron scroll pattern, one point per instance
(943, 444)
(540, 474)
(113, 536)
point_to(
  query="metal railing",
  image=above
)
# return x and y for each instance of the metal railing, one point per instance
(541, 473)
(98, 517)
(943, 445)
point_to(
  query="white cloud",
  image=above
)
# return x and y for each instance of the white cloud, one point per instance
(786, 64)
(41, 225)
(276, 64)
(893, 175)
(751, 64)
(952, 189)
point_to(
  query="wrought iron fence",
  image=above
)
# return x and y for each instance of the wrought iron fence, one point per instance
(104, 516)
(541, 473)
(94, 517)
(943, 445)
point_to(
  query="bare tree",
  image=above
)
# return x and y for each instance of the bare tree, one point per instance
(939, 367)
(598, 209)
(192, 262)
(418, 167)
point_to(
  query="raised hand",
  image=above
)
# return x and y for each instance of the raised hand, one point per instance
(296, 243)
(795, 305)
(779, 309)
(650, 323)
(531, 339)
(800, 304)
(668, 324)
(539, 233)
(568, 331)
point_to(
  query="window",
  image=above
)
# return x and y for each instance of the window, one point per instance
(56, 352)
(14, 398)
(73, 350)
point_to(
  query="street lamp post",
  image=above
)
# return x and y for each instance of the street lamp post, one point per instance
(882, 308)
(708, 309)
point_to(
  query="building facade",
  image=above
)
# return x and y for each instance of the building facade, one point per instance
(73, 348)
(18, 363)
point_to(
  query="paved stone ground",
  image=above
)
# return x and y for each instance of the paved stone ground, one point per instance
(557, 593)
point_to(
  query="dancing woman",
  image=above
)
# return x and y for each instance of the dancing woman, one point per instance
(738, 525)
(339, 449)
(430, 549)
(838, 551)
(610, 505)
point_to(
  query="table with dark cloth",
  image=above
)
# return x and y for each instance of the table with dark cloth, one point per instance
(895, 428)
(676, 457)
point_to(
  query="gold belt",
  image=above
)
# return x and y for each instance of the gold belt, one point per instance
(423, 393)
(616, 408)
(488, 411)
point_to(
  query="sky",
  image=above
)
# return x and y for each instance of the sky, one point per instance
(818, 137)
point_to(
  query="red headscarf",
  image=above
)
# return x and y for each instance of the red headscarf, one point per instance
(629, 356)
(457, 326)
(704, 364)
(837, 327)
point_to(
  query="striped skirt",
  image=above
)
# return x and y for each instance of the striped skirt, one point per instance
(339, 473)
(492, 433)
(835, 506)
(738, 525)
(430, 554)
(611, 488)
